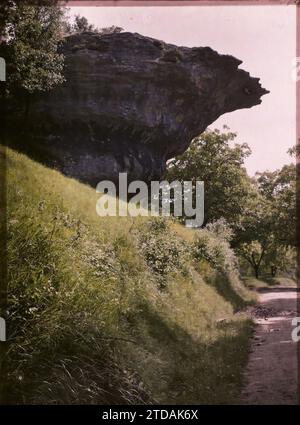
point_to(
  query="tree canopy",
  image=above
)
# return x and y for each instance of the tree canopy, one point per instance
(215, 159)
(31, 33)
(31, 37)
(268, 229)
(261, 210)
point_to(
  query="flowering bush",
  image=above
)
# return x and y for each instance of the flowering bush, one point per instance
(212, 245)
(163, 251)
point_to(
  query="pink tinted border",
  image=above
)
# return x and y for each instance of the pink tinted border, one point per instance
(178, 2)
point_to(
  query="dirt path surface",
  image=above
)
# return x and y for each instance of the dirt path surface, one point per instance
(271, 374)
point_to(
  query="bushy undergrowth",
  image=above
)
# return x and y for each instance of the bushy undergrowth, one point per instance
(215, 251)
(163, 251)
(115, 310)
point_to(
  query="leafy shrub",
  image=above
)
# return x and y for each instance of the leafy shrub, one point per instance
(221, 229)
(163, 251)
(212, 245)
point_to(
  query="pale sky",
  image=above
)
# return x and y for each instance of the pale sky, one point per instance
(263, 37)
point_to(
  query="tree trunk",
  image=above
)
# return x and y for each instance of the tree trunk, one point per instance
(273, 271)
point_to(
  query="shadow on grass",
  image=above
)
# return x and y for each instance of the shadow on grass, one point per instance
(224, 288)
(267, 282)
(172, 367)
(189, 370)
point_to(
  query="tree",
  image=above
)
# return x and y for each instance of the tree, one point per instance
(31, 35)
(270, 255)
(212, 159)
(279, 257)
(255, 231)
(268, 228)
(253, 252)
(279, 187)
(81, 24)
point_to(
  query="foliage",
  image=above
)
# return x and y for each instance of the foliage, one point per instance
(212, 245)
(260, 212)
(279, 257)
(163, 251)
(32, 34)
(81, 24)
(221, 229)
(279, 187)
(87, 321)
(267, 232)
(212, 158)
(253, 252)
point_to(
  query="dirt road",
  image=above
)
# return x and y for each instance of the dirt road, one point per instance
(271, 374)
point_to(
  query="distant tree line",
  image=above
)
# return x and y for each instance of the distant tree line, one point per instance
(81, 24)
(261, 211)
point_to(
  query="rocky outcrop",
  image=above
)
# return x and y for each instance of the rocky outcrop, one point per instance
(129, 103)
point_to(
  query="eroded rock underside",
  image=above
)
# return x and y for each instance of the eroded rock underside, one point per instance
(130, 102)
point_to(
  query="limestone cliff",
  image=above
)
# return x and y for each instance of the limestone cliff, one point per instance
(131, 102)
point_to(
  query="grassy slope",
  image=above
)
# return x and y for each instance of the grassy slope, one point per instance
(266, 282)
(88, 322)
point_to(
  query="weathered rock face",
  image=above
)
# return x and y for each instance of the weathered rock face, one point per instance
(131, 102)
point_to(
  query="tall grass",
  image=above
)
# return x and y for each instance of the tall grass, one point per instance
(113, 310)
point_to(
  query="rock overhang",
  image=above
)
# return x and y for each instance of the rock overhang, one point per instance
(137, 101)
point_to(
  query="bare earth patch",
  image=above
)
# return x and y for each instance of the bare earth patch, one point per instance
(271, 376)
